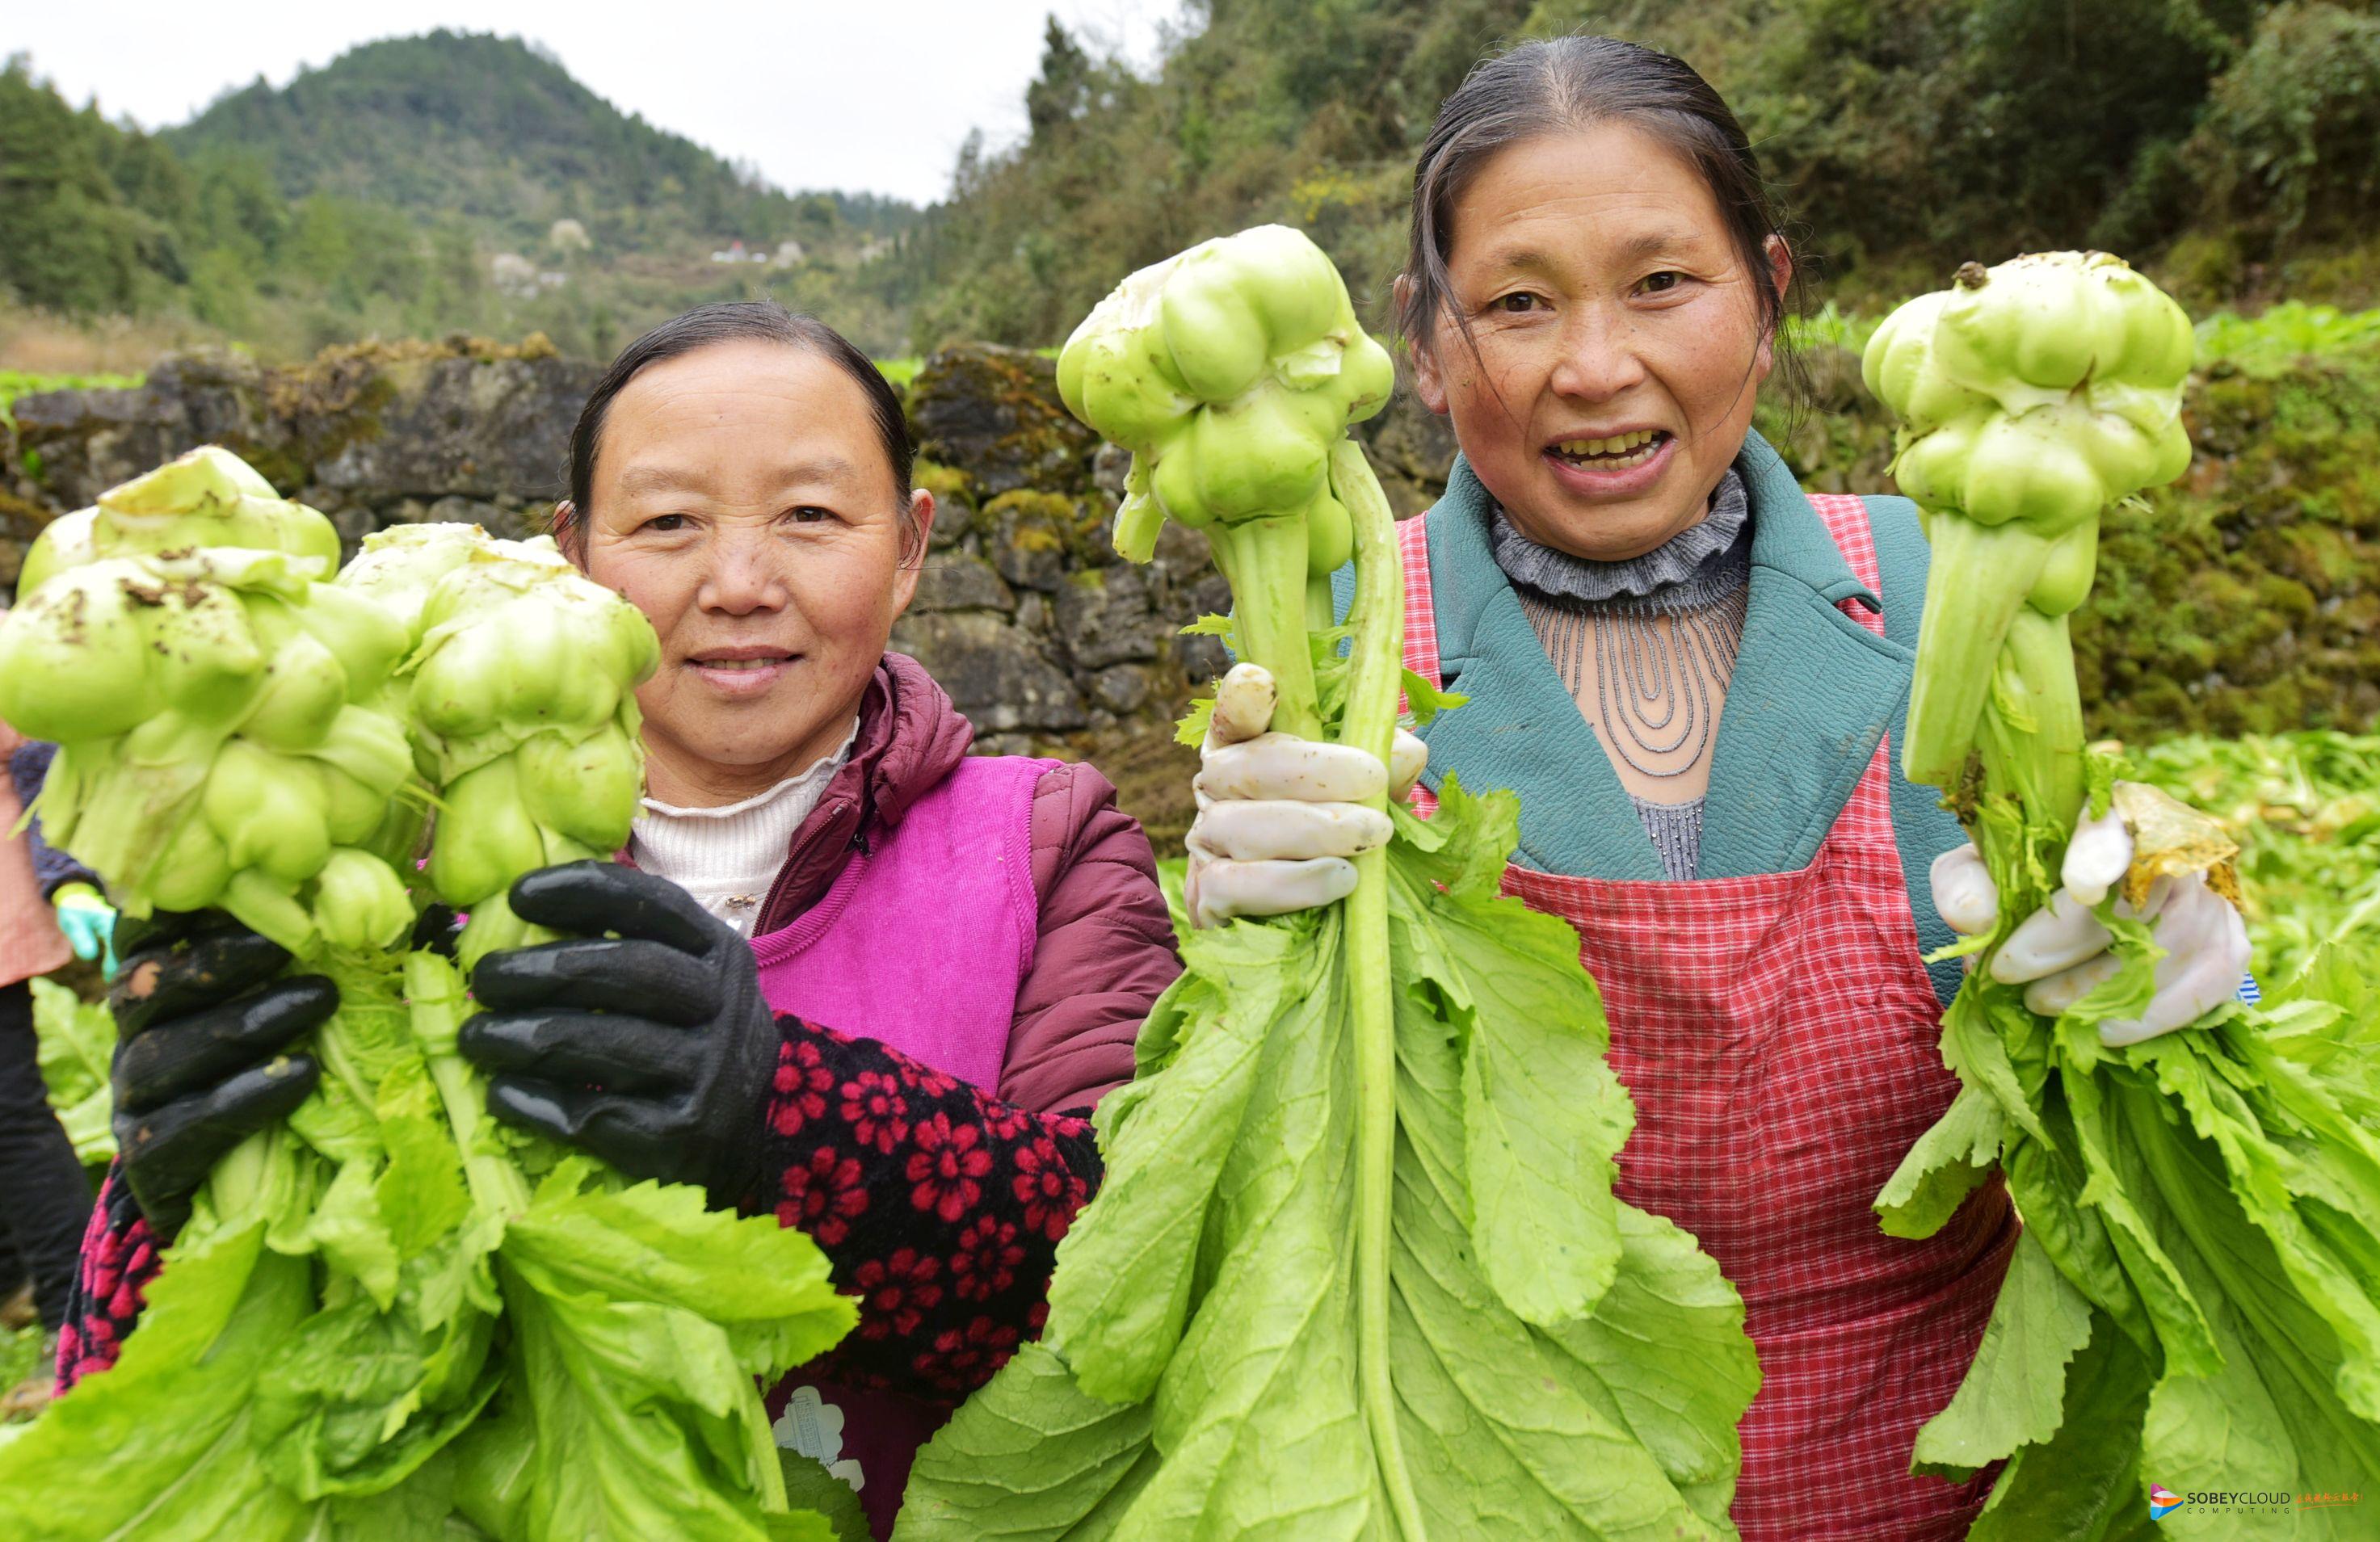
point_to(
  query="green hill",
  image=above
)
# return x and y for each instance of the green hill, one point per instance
(496, 131)
(420, 185)
(413, 186)
(2233, 144)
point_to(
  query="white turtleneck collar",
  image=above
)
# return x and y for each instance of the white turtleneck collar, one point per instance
(727, 858)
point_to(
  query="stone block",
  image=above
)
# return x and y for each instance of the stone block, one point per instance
(993, 670)
(957, 581)
(1105, 616)
(1121, 689)
(994, 413)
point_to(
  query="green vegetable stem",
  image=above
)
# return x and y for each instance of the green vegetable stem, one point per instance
(2194, 1289)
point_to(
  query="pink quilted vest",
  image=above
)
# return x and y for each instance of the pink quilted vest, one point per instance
(919, 944)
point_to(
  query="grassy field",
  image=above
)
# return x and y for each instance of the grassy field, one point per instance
(26, 382)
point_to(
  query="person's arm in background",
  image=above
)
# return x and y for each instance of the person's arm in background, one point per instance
(28, 767)
(83, 914)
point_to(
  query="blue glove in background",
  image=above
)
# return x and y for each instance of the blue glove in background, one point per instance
(88, 922)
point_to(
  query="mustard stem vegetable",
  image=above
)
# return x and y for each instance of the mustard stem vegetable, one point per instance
(1274, 603)
(1344, 1274)
(2192, 1291)
(388, 1314)
(2030, 396)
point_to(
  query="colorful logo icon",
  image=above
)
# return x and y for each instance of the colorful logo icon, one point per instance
(2163, 1501)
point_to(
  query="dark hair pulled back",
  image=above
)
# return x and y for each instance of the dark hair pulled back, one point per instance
(735, 322)
(1568, 84)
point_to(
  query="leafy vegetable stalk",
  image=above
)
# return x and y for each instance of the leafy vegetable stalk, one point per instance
(1279, 491)
(1356, 1270)
(2192, 1300)
(392, 1317)
(1369, 725)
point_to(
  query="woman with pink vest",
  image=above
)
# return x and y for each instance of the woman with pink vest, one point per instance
(854, 975)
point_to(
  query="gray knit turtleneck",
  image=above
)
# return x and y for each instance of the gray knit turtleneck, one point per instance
(1701, 572)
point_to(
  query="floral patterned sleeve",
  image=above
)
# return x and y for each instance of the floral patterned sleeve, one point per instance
(119, 1258)
(937, 1204)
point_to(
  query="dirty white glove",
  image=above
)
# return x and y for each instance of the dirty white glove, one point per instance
(2061, 952)
(1279, 818)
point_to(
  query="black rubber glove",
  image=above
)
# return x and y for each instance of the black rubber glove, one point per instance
(199, 1063)
(652, 1049)
(439, 930)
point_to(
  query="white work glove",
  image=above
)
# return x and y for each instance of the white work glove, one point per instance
(2061, 952)
(1279, 818)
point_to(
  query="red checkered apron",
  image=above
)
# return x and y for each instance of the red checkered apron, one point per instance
(1780, 1040)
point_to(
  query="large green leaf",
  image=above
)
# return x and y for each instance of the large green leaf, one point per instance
(158, 1446)
(2014, 1394)
(328, 1352)
(2206, 1207)
(1119, 1302)
(76, 1043)
(1223, 1316)
(1944, 1167)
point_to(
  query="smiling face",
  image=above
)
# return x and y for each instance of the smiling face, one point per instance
(743, 500)
(1618, 336)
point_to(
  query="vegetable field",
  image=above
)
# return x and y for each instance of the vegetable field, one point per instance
(2305, 808)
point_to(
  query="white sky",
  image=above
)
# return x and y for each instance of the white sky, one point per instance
(818, 94)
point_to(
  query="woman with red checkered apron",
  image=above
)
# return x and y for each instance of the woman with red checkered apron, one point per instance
(1694, 676)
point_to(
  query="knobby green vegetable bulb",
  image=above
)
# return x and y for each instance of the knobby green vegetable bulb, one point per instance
(399, 567)
(524, 712)
(209, 497)
(215, 747)
(2031, 396)
(1232, 371)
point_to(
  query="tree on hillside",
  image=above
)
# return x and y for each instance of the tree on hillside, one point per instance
(72, 243)
(1907, 134)
(1062, 91)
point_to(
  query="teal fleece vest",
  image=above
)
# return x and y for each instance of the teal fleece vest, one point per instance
(1813, 693)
